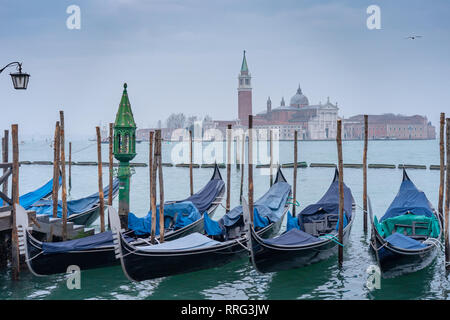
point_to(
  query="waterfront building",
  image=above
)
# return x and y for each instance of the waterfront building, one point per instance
(389, 126)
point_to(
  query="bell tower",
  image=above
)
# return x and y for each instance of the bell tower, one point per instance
(244, 93)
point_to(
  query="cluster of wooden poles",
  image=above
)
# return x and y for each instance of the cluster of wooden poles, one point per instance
(59, 170)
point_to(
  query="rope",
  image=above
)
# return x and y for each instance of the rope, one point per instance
(434, 242)
(245, 247)
(357, 205)
(35, 256)
(297, 204)
(384, 245)
(333, 238)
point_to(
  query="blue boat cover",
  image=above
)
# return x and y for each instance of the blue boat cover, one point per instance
(212, 227)
(292, 237)
(258, 220)
(292, 222)
(328, 204)
(73, 206)
(203, 198)
(409, 199)
(91, 242)
(28, 199)
(192, 241)
(270, 205)
(401, 241)
(184, 214)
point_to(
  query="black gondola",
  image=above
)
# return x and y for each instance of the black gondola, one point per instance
(199, 251)
(312, 239)
(406, 239)
(98, 250)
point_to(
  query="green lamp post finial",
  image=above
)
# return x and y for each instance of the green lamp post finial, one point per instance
(124, 151)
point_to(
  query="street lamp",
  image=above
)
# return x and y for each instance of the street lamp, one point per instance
(19, 79)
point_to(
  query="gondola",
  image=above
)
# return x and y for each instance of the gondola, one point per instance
(98, 250)
(83, 211)
(309, 238)
(406, 238)
(221, 242)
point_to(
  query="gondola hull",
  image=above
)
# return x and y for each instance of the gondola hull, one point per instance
(140, 265)
(394, 261)
(48, 264)
(272, 258)
(42, 264)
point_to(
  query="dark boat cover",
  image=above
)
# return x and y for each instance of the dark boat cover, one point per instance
(401, 241)
(409, 200)
(184, 214)
(28, 199)
(203, 198)
(292, 237)
(91, 242)
(73, 206)
(328, 204)
(270, 205)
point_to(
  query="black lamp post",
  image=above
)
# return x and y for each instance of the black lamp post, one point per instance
(19, 79)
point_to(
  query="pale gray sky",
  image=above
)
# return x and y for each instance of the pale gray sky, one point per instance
(184, 56)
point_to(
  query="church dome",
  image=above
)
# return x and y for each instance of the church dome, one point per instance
(299, 100)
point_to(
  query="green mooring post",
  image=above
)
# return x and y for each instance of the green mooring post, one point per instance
(124, 152)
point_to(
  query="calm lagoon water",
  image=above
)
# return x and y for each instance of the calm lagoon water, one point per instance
(238, 280)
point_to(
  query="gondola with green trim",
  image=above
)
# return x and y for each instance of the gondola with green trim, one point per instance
(406, 238)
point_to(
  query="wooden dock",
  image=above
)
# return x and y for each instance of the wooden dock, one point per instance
(47, 225)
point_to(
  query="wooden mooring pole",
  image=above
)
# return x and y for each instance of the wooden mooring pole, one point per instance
(70, 166)
(161, 184)
(4, 237)
(250, 166)
(442, 164)
(366, 130)
(15, 258)
(341, 193)
(447, 195)
(5, 142)
(191, 179)
(241, 192)
(227, 206)
(56, 169)
(153, 197)
(294, 202)
(63, 175)
(100, 180)
(237, 156)
(271, 156)
(150, 163)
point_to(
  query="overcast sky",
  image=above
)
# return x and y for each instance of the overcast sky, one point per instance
(184, 56)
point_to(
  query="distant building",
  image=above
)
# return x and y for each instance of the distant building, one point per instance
(389, 126)
(313, 122)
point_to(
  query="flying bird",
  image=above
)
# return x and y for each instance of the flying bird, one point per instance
(414, 37)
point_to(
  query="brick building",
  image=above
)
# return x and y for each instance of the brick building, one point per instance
(389, 126)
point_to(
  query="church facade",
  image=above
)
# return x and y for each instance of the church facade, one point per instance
(312, 122)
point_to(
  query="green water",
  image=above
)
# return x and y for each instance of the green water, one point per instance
(238, 280)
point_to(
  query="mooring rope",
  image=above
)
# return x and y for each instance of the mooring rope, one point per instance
(331, 237)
